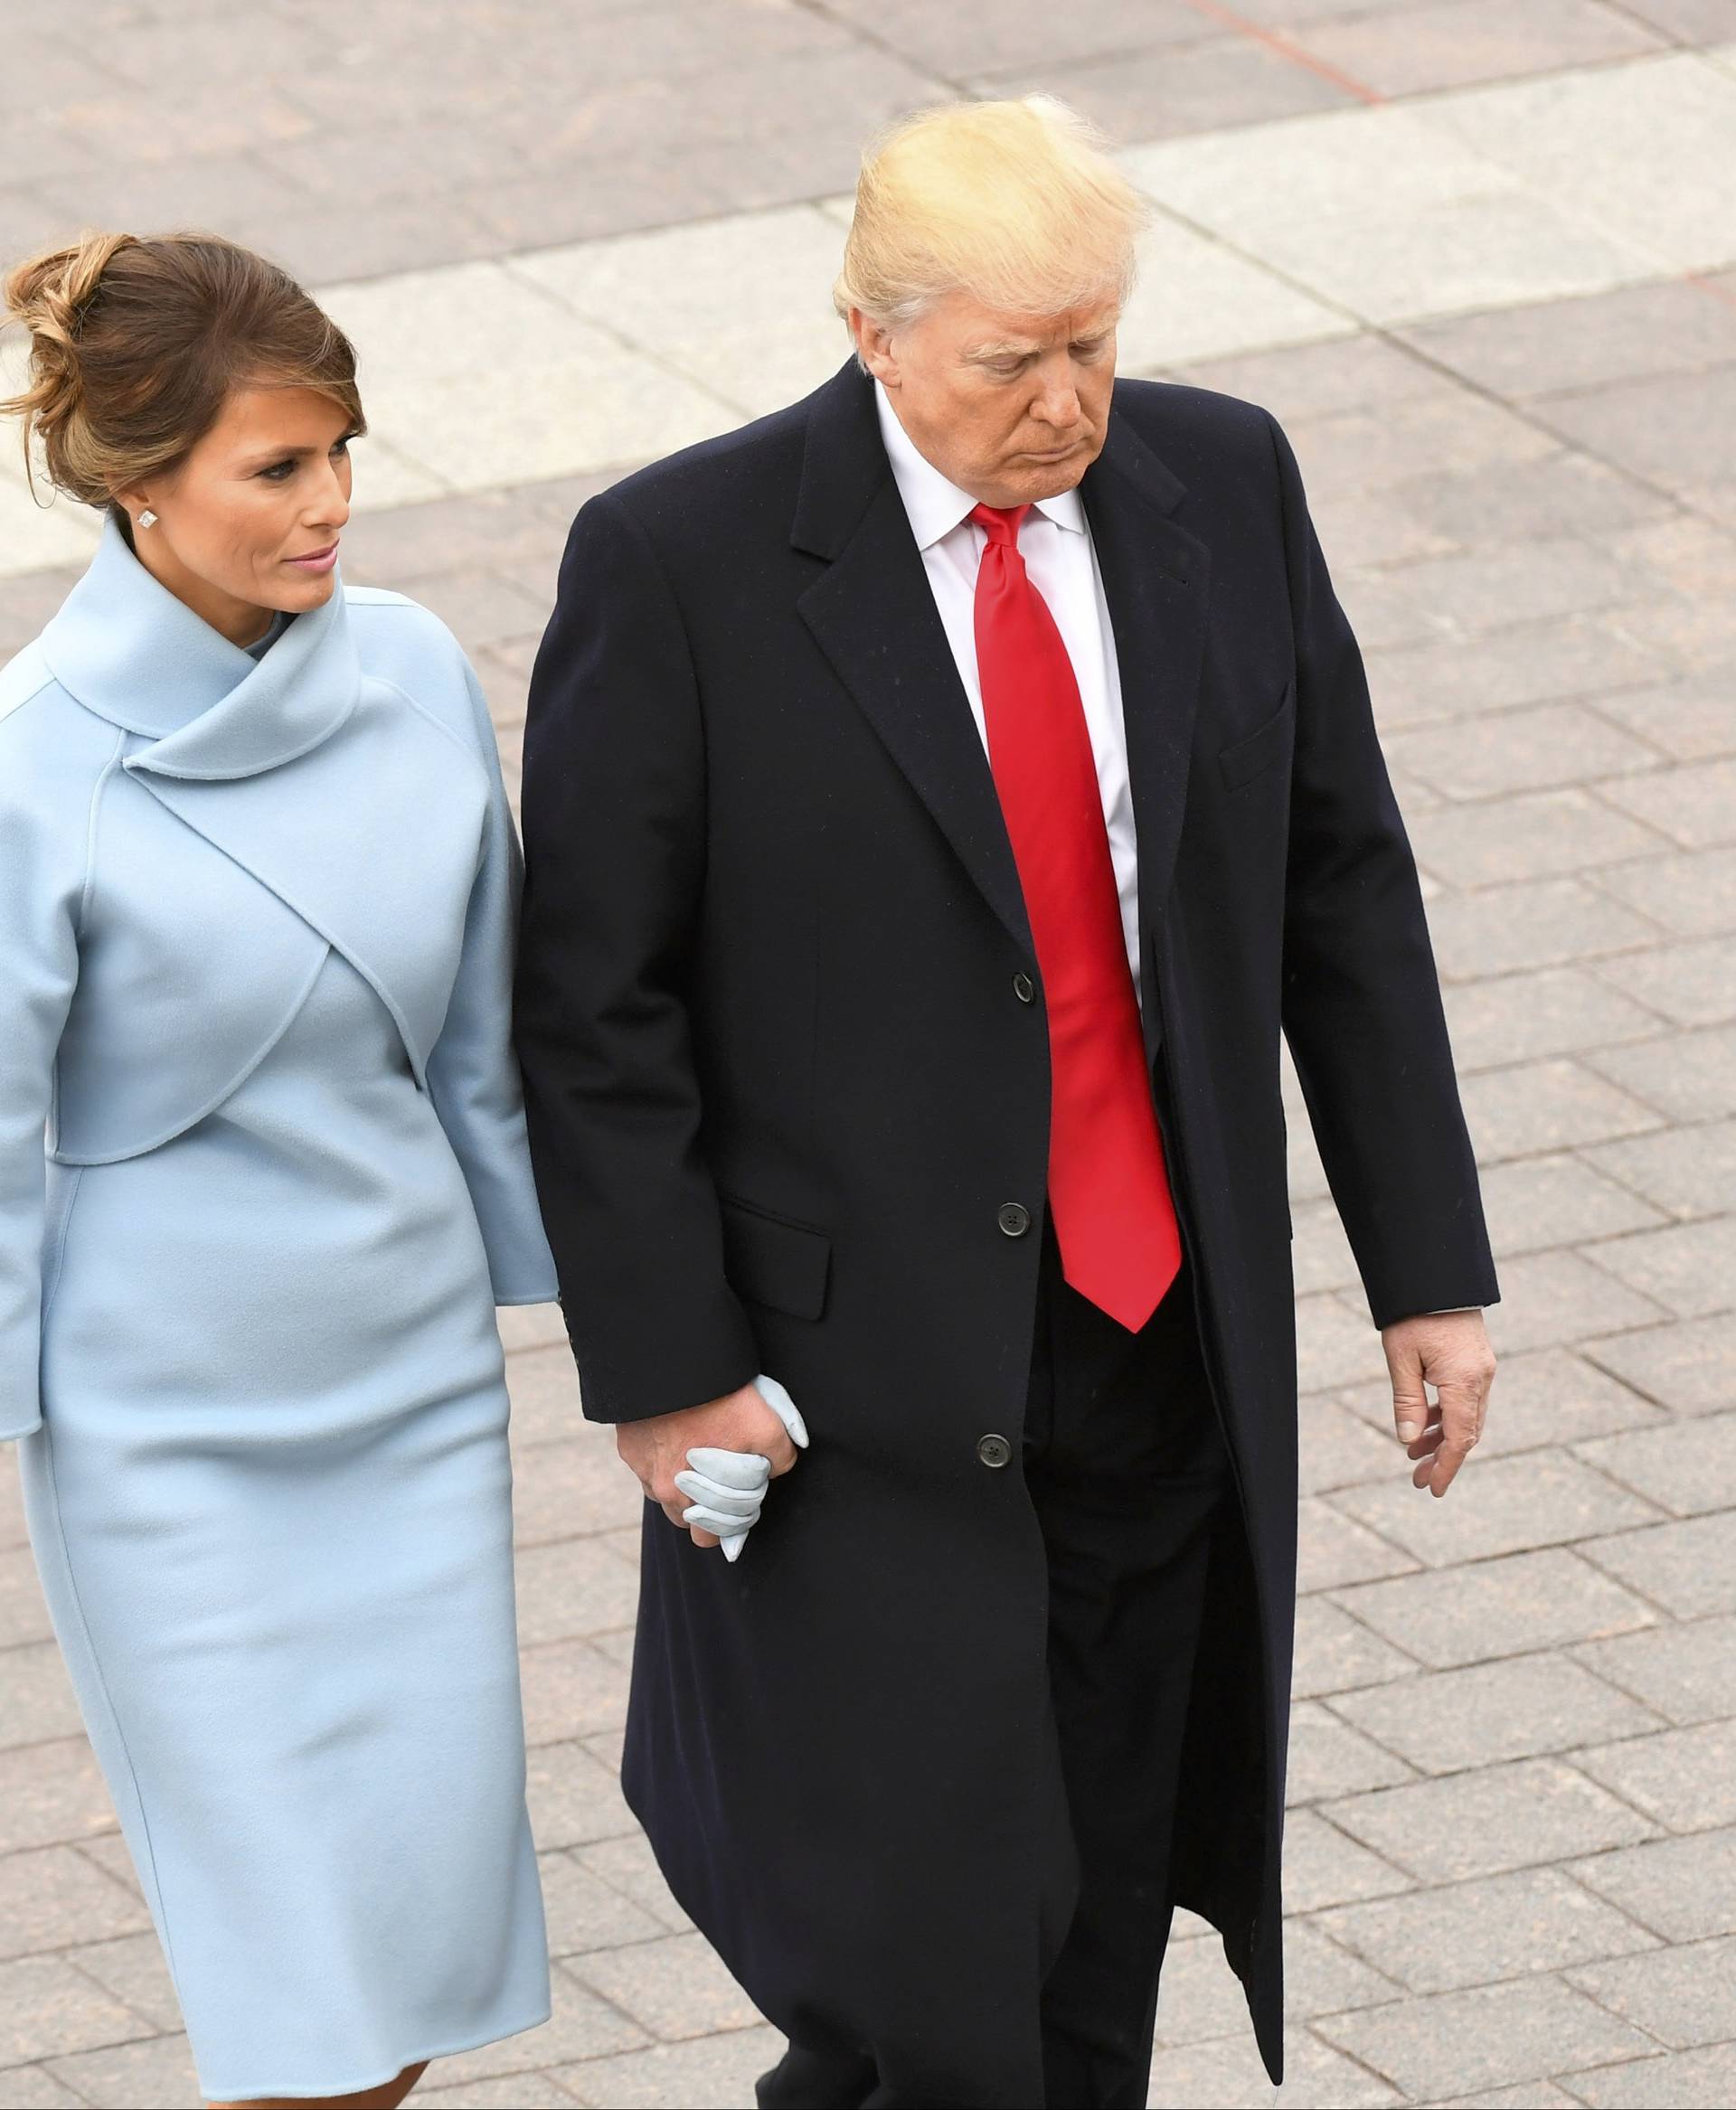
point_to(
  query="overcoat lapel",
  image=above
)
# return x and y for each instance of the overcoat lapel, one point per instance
(373, 838)
(1157, 579)
(873, 613)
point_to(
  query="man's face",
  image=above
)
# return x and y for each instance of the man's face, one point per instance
(1010, 408)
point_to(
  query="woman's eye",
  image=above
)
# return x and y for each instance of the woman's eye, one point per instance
(279, 472)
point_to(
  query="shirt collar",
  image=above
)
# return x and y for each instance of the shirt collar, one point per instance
(934, 503)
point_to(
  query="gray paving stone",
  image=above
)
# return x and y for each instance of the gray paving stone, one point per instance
(1538, 1202)
(1484, 2037)
(39, 1705)
(1174, 92)
(1022, 33)
(572, 1585)
(1413, 50)
(582, 2026)
(1224, 2073)
(50, 1793)
(1683, 1890)
(1686, 1672)
(1521, 836)
(1494, 1927)
(1550, 346)
(714, 2073)
(1551, 1298)
(544, 1390)
(563, 1490)
(1691, 1077)
(1321, 1976)
(1363, 373)
(48, 2007)
(585, 1913)
(627, 1864)
(1689, 1269)
(1695, 804)
(1328, 1757)
(511, 2092)
(1522, 2095)
(1542, 923)
(524, 1326)
(24, 1616)
(571, 1689)
(1693, 895)
(574, 1798)
(1693, 719)
(1707, 2076)
(1556, 1104)
(1582, 656)
(1684, 1779)
(1687, 1468)
(1477, 590)
(1555, 494)
(1520, 1707)
(674, 1987)
(1548, 1011)
(132, 1968)
(1536, 1499)
(1689, 1569)
(1671, 431)
(1338, 1448)
(1338, 1654)
(1321, 1256)
(1334, 1549)
(1334, 1344)
(1516, 1815)
(33, 2088)
(1497, 1608)
(53, 1897)
(1322, 1867)
(156, 2074)
(1534, 749)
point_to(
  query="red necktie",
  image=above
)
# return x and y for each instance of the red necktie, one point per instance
(1109, 1193)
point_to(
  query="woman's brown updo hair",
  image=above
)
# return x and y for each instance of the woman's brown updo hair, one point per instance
(136, 344)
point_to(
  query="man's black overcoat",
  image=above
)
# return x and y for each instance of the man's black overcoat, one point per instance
(783, 1079)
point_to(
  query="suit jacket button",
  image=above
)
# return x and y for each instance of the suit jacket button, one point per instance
(995, 1451)
(1013, 1217)
(1025, 988)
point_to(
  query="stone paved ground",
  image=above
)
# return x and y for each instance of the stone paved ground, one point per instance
(1478, 257)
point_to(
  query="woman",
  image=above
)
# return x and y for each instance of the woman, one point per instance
(257, 883)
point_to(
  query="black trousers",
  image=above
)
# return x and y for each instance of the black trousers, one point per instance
(1126, 1469)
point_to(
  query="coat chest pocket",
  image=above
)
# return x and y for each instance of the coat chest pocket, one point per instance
(1244, 759)
(771, 1260)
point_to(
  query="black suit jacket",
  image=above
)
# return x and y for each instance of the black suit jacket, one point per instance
(779, 1086)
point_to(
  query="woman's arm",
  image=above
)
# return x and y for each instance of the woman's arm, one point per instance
(473, 1073)
(44, 855)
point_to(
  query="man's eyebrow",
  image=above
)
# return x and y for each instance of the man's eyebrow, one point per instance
(1007, 348)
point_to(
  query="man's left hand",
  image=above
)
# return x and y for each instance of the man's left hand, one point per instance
(1450, 1351)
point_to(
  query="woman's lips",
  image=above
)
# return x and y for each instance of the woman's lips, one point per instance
(315, 559)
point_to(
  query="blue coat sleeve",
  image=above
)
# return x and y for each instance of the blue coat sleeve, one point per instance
(42, 881)
(473, 1074)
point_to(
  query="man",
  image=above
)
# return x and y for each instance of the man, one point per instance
(939, 797)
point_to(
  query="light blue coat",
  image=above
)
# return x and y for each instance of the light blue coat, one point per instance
(256, 929)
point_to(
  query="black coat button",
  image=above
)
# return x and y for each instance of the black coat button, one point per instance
(1025, 988)
(1013, 1217)
(995, 1451)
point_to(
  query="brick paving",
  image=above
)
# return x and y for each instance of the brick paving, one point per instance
(1448, 245)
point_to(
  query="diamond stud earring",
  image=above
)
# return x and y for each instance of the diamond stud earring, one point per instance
(148, 518)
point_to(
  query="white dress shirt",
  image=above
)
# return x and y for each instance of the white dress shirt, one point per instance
(1056, 545)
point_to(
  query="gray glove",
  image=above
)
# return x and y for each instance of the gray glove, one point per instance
(726, 1489)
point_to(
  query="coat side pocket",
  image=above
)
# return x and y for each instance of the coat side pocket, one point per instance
(1244, 759)
(771, 1260)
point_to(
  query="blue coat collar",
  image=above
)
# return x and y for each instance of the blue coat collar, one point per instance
(129, 651)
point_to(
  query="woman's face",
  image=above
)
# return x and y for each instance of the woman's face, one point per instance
(248, 523)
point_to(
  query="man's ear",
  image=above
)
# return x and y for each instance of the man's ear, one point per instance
(874, 348)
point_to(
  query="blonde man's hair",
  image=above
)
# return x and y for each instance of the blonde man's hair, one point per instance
(1017, 203)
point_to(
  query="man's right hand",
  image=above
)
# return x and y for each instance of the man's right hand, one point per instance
(656, 1450)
